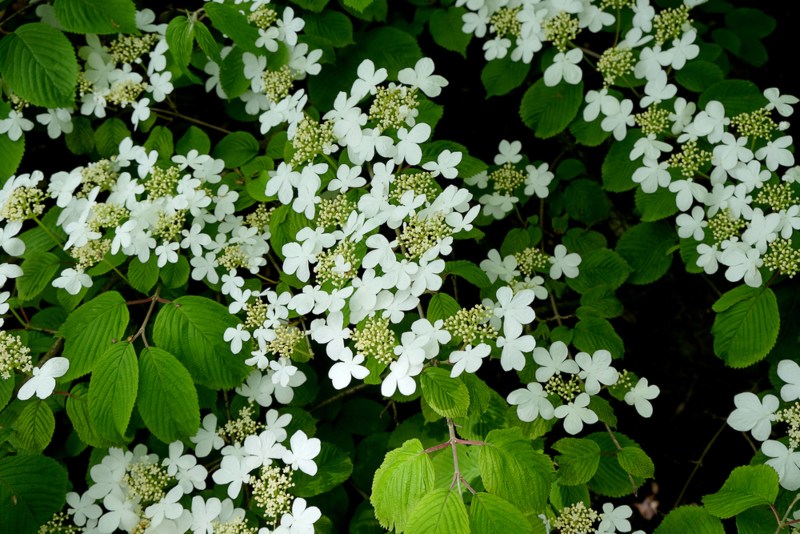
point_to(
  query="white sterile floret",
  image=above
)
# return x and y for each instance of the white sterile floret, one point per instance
(692, 225)
(754, 414)
(301, 453)
(743, 262)
(469, 359)
(71, 280)
(780, 103)
(514, 309)
(408, 142)
(538, 180)
(346, 368)
(234, 470)
(563, 262)
(43, 381)
(14, 124)
(422, 77)
(641, 395)
(776, 153)
(257, 388)
(576, 413)
(531, 402)
(564, 67)
(82, 508)
(619, 119)
(614, 519)
(207, 437)
(166, 508)
(596, 369)
(789, 372)
(785, 461)
(508, 152)
(553, 361)
(265, 447)
(184, 467)
(301, 520)
(401, 377)
(445, 164)
(368, 79)
(496, 267)
(514, 349)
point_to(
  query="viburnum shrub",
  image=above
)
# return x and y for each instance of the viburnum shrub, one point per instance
(249, 287)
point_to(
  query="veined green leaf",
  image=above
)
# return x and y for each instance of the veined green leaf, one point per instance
(746, 487)
(232, 23)
(167, 397)
(34, 427)
(469, 272)
(441, 511)
(445, 27)
(578, 461)
(601, 267)
(636, 462)
(646, 247)
(32, 489)
(447, 396)
(442, 306)
(746, 326)
(112, 391)
(78, 413)
(12, 156)
(333, 467)
(617, 170)
(39, 268)
(96, 16)
(38, 63)
(694, 519)
(404, 477)
(549, 110)
(236, 149)
(180, 38)
(108, 136)
(490, 514)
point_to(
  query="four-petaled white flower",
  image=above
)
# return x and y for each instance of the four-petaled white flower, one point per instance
(576, 413)
(789, 372)
(302, 452)
(531, 402)
(754, 414)
(346, 368)
(43, 381)
(596, 369)
(640, 396)
(469, 359)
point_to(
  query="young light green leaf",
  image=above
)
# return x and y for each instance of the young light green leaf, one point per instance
(167, 397)
(39, 268)
(513, 470)
(32, 489)
(38, 63)
(636, 462)
(96, 16)
(112, 391)
(445, 27)
(549, 110)
(442, 306)
(333, 467)
(447, 396)
(404, 477)
(746, 326)
(232, 23)
(692, 519)
(207, 44)
(490, 514)
(441, 511)
(78, 413)
(192, 328)
(34, 427)
(578, 461)
(91, 329)
(746, 487)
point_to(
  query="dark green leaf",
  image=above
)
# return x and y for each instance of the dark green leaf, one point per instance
(38, 268)
(333, 468)
(12, 156)
(746, 487)
(549, 110)
(746, 326)
(96, 16)
(647, 249)
(232, 23)
(112, 391)
(236, 149)
(32, 489)
(445, 27)
(34, 427)
(108, 136)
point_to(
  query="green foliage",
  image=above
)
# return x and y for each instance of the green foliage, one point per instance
(746, 326)
(549, 110)
(112, 391)
(490, 514)
(445, 28)
(469, 272)
(442, 306)
(34, 427)
(333, 468)
(578, 461)
(12, 156)
(96, 16)
(446, 396)
(747, 486)
(32, 489)
(689, 519)
(233, 23)
(438, 512)
(39, 268)
(647, 248)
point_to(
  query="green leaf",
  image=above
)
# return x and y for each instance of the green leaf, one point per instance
(490, 514)
(611, 480)
(746, 487)
(108, 136)
(578, 461)
(647, 249)
(96, 16)
(180, 38)
(655, 206)
(38, 268)
(232, 23)
(333, 467)
(588, 133)
(441, 511)
(549, 110)
(192, 328)
(236, 149)
(312, 5)
(193, 138)
(34, 427)
(445, 27)
(442, 306)
(38, 63)
(143, 276)
(331, 25)
(586, 202)
(404, 477)
(636, 462)
(617, 170)
(112, 391)
(750, 22)
(513, 470)
(6, 390)
(32, 489)
(284, 224)
(595, 333)
(176, 274)
(759, 520)
(737, 96)
(81, 139)
(167, 397)
(358, 5)
(600, 302)
(390, 48)
(447, 396)
(91, 329)
(207, 44)
(746, 326)
(469, 272)
(699, 75)
(692, 519)
(602, 267)
(160, 140)
(12, 156)
(78, 413)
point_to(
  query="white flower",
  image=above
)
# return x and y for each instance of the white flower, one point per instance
(445, 164)
(576, 413)
(141, 112)
(513, 356)
(553, 361)
(43, 381)
(640, 397)
(754, 414)
(508, 153)
(538, 180)
(207, 437)
(409, 141)
(531, 402)
(301, 520)
(786, 462)
(302, 452)
(565, 66)
(614, 519)
(514, 309)
(15, 124)
(789, 372)
(167, 508)
(496, 267)
(422, 77)
(235, 471)
(368, 79)
(82, 508)
(780, 103)
(777, 153)
(565, 263)
(58, 121)
(347, 368)
(469, 359)
(595, 370)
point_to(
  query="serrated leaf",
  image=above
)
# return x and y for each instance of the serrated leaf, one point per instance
(595, 333)
(442, 306)
(699, 75)
(737, 96)
(513, 470)
(232, 23)
(655, 206)
(441, 511)
(602, 267)
(445, 27)
(549, 110)
(647, 247)
(176, 274)
(611, 480)
(333, 467)
(617, 170)
(746, 487)
(331, 25)
(746, 326)
(390, 48)
(236, 149)
(32, 489)
(38, 269)
(167, 397)
(490, 514)
(578, 461)
(143, 276)
(112, 391)
(34, 427)
(180, 38)
(38, 63)
(108, 136)
(586, 202)
(81, 139)
(6, 390)
(96, 16)
(193, 139)
(447, 396)
(404, 477)
(78, 413)
(192, 328)
(91, 329)
(692, 519)
(206, 42)
(600, 302)
(749, 21)
(12, 156)
(588, 133)
(636, 462)
(358, 5)
(469, 272)
(160, 140)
